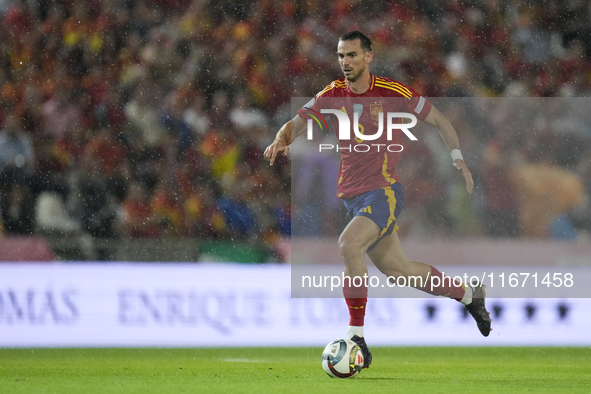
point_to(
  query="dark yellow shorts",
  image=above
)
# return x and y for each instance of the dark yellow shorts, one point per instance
(380, 205)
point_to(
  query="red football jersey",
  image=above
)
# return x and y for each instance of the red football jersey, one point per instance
(373, 165)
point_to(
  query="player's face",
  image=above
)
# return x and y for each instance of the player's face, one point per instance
(353, 59)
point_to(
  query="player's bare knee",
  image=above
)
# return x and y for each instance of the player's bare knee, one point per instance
(350, 249)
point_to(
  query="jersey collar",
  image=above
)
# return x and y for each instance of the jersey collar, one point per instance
(372, 83)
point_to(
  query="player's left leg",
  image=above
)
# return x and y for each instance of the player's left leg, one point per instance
(388, 256)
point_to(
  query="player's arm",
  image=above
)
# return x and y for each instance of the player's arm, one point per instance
(285, 136)
(450, 139)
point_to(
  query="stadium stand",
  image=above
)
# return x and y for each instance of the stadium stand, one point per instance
(147, 118)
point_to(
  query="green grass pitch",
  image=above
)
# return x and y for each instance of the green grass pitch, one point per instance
(294, 370)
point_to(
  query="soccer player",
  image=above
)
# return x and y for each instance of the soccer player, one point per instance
(370, 187)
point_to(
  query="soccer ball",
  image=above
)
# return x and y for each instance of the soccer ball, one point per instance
(342, 358)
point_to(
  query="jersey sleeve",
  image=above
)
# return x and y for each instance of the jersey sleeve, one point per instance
(418, 105)
(312, 107)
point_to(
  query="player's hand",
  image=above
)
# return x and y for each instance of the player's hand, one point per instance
(463, 169)
(273, 149)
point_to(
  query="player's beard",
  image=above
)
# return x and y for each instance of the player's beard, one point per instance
(356, 76)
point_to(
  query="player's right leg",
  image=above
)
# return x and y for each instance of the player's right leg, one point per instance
(390, 259)
(359, 234)
(354, 241)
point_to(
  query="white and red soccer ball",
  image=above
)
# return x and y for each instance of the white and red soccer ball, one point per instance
(342, 358)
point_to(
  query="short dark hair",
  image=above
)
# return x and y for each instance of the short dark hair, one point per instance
(354, 35)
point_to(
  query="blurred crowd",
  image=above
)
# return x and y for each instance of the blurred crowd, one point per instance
(148, 118)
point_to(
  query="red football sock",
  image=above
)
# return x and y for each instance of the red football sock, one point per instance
(356, 298)
(442, 285)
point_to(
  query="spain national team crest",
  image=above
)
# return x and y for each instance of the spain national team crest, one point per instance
(375, 110)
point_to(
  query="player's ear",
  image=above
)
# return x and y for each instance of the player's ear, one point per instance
(368, 56)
